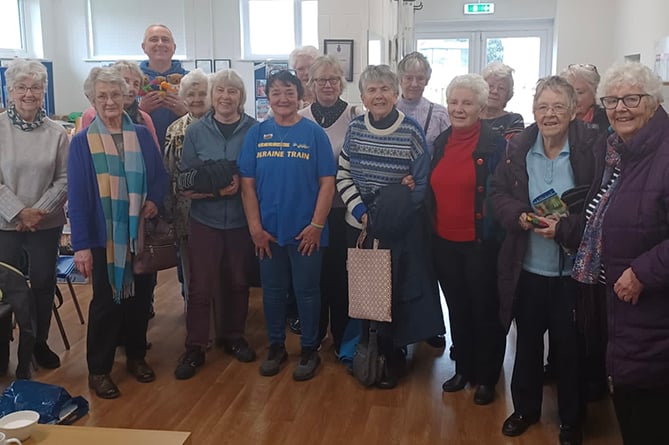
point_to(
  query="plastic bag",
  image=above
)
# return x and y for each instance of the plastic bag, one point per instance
(53, 403)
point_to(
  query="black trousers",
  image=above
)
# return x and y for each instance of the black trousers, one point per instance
(334, 279)
(42, 249)
(641, 414)
(16, 293)
(547, 303)
(107, 319)
(467, 275)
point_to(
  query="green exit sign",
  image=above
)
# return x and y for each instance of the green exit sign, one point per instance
(479, 8)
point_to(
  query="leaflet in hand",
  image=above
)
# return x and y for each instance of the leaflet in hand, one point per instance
(549, 203)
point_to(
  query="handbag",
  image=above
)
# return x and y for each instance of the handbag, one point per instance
(157, 246)
(368, 365)
(575, 198)
(369, 281)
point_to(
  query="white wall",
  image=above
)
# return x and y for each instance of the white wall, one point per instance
(440, 11)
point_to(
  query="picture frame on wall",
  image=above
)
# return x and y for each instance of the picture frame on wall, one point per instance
(205, 65)
(222, 64)
(342, 50)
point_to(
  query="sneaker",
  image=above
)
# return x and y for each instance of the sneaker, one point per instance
(45, 357)
(272, 364)
(192, 359)
(240, 349)
(306, 368)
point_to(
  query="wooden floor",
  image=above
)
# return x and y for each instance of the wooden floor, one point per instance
(228, 402)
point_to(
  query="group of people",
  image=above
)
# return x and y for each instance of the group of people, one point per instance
(464, 196)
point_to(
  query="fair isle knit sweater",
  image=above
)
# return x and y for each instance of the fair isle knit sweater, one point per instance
(373, 158)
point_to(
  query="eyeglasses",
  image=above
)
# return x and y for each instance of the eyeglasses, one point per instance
(334, 81)
(104, 98)
(629, 100)
(557, 109)
(420, 80)
(22, 89)
(586, 66)
(275, 71)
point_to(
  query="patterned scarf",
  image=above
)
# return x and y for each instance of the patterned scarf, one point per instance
(326, 116)
(23, 124)
(588, 262)
(122, 185)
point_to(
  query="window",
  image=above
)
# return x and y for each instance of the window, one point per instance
(107, 42)
(11, 32)
(273, 28)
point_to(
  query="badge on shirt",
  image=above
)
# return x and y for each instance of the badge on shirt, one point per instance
(267, 136)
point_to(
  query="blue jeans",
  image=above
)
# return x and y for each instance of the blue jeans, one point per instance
(275, 275)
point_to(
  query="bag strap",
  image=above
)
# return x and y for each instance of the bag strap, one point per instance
(429, 117)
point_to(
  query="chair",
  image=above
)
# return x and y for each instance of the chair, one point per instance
(64, 269)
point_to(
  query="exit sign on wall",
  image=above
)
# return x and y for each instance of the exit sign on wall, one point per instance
(479, 8)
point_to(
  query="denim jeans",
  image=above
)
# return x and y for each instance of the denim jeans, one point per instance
(275, 275)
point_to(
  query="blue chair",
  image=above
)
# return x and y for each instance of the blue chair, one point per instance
(64, 270)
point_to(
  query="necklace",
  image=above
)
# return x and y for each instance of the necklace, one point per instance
(285, 135)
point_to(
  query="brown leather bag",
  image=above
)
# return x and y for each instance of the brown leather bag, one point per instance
(157, 249)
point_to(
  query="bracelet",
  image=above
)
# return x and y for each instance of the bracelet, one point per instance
(317, 226)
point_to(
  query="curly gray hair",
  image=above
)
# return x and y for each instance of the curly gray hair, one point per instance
(500, 71)
(22, 69)
(556, 84)
(379, 73)
(584, 72)
(414, 60)
(632, 74)
(107, 75)
(305, 51)
(473, 82)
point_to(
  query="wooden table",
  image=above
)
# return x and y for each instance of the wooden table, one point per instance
(85, 435)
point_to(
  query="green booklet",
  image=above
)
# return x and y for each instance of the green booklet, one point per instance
(549, 203)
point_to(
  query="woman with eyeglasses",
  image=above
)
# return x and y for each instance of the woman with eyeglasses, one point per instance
(550, 156)
(585, 80)
(327, 82)
(500, 84)
(625, 248)
(287, 177)
(33, 190)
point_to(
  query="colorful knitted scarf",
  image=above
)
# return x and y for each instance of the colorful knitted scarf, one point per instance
(588, 261)
(122, 185)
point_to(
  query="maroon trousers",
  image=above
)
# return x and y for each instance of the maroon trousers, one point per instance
(220, 261)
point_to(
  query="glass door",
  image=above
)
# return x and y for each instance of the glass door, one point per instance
(448, 57)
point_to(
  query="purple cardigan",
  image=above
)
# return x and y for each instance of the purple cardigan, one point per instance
(635, 233)
(84, 206)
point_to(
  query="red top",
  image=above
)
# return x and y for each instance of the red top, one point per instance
(453, 182)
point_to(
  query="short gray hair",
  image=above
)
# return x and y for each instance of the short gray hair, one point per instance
(129, 65)
(501, 71)
(414, 60)
(22, 69)
(304, 51)
(472, 82)
(556, 84)
(633, 74)
(326, 62)
(106, 75)
(378, 73)
(587, 73)
(194, 78)
(230, 78)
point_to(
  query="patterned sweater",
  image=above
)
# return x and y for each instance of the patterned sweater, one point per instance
(372, 158)
(176, 205)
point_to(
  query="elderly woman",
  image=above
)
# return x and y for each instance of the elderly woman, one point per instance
(300, 60)
(466, 237)
(625, 248)
(115, 177)
(585, 79)
(552, 155)
(33, 188)
(500, 91)
(414, 72)
(135, 80)
(220, 251)
(194, 90)
(383, 168)
(327, 82)
(287, 171)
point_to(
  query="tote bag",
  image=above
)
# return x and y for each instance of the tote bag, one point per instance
(369, 282)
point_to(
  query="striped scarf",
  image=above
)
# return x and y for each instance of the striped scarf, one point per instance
(122, 185)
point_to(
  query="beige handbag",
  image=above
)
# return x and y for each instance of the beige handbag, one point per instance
(369, 281)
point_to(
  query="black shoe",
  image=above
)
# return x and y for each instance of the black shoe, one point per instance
(103, 386)
(275, 356)
(484, 395)
(23, 372)
(438, 341)
(307, 366)
(140, 370)
(192, 359)
(240, 349)
(294, 325)
(455, 383)
(45, 357)
(570, 435)
(516, 424)
(451, 353)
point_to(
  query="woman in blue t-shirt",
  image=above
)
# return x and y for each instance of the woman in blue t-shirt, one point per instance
(287, 170)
